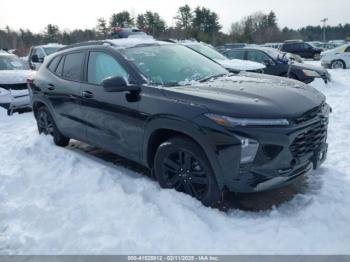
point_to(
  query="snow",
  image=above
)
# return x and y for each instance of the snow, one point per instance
(15, 76)
(71, 201)
(241, 65)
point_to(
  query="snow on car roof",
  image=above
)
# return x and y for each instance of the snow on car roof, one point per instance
(134, 41)
(51, 45)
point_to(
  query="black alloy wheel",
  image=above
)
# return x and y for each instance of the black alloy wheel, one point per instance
(181, 164)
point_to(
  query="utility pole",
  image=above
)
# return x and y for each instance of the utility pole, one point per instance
(324, 21)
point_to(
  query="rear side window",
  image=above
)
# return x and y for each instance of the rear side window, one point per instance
(53, 64)
(59, 68)
(235, 54)
(288, 47)
(101, 66)
(73, 67)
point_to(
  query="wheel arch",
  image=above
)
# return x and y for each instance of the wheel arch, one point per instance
(161, 130)
(338, 59)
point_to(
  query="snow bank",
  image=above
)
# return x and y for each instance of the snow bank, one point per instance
(65, 201)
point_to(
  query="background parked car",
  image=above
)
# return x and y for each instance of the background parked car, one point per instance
(324, 45)
(338, 58)
(38, 53)
(273, 45)
(119, 32)
(278, 64)
(233, 65)
(302, 49)
(13, 83)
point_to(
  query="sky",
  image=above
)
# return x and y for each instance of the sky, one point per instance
(73, 14)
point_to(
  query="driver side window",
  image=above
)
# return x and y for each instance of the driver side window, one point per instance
(257, 56)
(101, 66)
(39, 53)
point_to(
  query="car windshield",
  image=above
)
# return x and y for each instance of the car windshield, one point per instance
(171, 64)
(10, 62)
(51, 50)
(207, 51)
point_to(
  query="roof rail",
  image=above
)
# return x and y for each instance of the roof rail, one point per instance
(88, 43)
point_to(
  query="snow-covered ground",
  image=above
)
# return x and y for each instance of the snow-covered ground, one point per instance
(55, 201)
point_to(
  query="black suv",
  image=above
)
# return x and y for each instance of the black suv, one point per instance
(200, 129)
(302, 49)
(277, 63)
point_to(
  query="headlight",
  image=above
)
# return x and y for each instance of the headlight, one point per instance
(311, 73)
(232, 121)
(249, 148)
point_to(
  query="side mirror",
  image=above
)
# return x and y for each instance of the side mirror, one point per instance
(35, 59)
(118, 84)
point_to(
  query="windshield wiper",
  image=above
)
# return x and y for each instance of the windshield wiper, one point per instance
(210, 77)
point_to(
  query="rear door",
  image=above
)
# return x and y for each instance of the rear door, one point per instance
(64, 91)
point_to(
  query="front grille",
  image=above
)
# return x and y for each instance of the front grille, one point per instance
(311, 139)
(14, 86)
(310, 114)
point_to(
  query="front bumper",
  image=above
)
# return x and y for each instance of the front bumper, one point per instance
(325, 64)
(326, 77)
(284, 154)
(14, 100)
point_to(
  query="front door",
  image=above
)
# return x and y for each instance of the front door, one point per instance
(112, 120)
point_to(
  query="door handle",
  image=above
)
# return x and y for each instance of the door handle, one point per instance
(87, 94)
(51, 87)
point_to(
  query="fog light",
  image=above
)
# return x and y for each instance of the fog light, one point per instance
(249, 148)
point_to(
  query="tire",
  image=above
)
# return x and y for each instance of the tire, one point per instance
(47, 126)
(181, 164)
(317, 57)
(337, 64)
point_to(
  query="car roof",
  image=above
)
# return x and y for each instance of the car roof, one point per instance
(50, 45)
(122, 43)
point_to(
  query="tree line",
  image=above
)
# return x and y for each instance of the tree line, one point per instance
(199, 23)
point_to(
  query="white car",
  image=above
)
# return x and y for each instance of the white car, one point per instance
(14, 73)
(233, 65)
(38, 53)
(337, 58)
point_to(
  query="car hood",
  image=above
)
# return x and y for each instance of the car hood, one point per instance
(250, 95)
(318, 69)
(337, 50)
(240, 65)
(14, 76)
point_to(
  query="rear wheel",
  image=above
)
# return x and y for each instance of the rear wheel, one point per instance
(47, 126)
(181, 164)
(338, 64)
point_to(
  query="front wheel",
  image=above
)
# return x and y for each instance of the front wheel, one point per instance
(338, 64)
(181, 164)
(47, 126)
